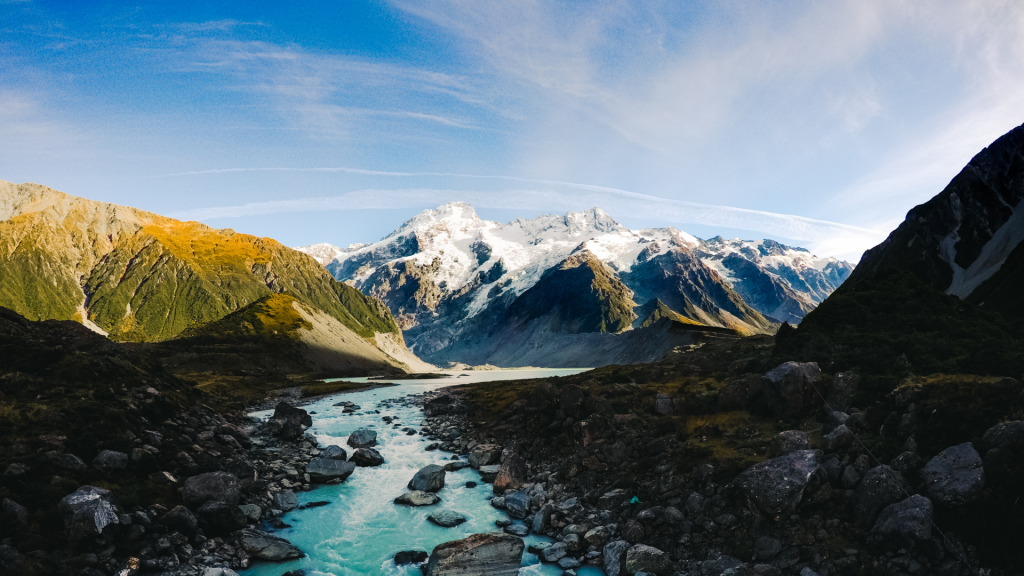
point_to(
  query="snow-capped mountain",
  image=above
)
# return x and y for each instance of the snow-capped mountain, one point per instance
(458, 284)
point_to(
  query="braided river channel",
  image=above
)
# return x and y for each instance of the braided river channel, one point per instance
(362, 528)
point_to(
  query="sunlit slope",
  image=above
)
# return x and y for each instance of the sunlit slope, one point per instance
(143, 277)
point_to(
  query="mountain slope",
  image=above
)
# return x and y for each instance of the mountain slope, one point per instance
(941, 293)
(142, 277)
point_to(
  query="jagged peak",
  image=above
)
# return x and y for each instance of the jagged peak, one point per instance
(450, 212)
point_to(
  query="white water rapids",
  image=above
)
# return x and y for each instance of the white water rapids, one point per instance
(361, 529)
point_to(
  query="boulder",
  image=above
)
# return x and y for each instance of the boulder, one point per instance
(429, 479)
(11, 561)
(511, 475)
(615, 558)
(517, 504)
(788, 441)
(789, 389)
(663, 405)
(643, 558)
(285, 500)
(766, 548)
(520, 530)
(484, 455)
(418, 498)
(220, 486)
(289, 421)
(777, 486)
(362, 438)
(221, 517)
(493, 554)
(598, 537)
(840, 394)
(456, 466)
(14, 514)
(880, 487)
(367, 457)
(489, 473)
(904, 524)
(65, 461)
(88, 511)
(252, 512)
(442, 405)
(259, 544)
(323, 470)
(181, 519)
(555, 552)
(542, 519)
(1004, 434)
(841, 437)
(334, 452)
(446, 518)
(954, 476)
(410, 557)
(109, 460)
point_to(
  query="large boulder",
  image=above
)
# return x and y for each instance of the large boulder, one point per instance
(880, 487)
(615, 558)
(494, 554)
(955, 475)
(484, 455)
(64, 460)
(418, 498)
(1004, 434)
(489, 473)
(512, 474)
(789, 389)
(323, 470)
(289, 421)
(220, 486)
(13, 514)
(259, 544)
(841, 437)
(362, 438)
(446, 518)
(367, 457)
(181, 519)
(221, 517)
(285, 500)
(443, 405)
(904, 524)
(517, 504)
(788, 441)
(429, 479)
(334, 452)
(643, 558)
(110, 460)
(88, 511)
(840, 394)
(777, 485)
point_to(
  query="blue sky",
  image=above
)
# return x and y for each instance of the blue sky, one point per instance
(816, 123)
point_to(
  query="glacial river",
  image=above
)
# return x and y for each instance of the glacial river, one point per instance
(361, 529)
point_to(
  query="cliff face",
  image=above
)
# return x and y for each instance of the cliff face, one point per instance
(139, 276)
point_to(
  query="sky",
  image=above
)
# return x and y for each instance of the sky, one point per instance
(817, 124)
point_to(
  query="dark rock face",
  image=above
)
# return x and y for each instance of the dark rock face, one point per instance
(511, 475)
(292, 421)
(367, 457)
(1004, 434)
(904, 524)
(955, 475)
(494, 554)
(446, 518)
(13, 513)
(362, 438)
(410, 557)
(880, 487)
(484, 455)
(777, 485)
(442, 405)
(333, 452)
(429, 479)
(642, 558)
(259, 544)
(841, 392)
(181, 519)
(108, 460)
(220, 486)
(790, 388)
(418, 498)
(788, 441)
(221, 518)
(88, 512)
(323, 470)
(615, 558)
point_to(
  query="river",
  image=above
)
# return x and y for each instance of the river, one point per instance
(361, 529)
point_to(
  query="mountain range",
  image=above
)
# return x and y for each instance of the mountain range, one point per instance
(578, 289)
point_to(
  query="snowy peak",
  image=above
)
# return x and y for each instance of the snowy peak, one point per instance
(451, 216)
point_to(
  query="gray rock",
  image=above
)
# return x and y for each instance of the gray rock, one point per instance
(11, 560)
(542, 519)
(850, 478)
(367, 457)
(880, 487)
(615, 557)
(446, 518)
(492, 554)
(418, 498)
(289, 422)
(598, 537)
(430, 478)
(511, 475)
(362, 438)
(777, 485)
(259, 544)
(220, 486)
(663, 405)
(285, 501)
(904, 524)
(717, 563)
(442, 405)
(906, 462)
(252, 512)
(788, 441)
(484, 455)
(789, 389)
(1004, 434)
(643, 558)
(181, 519)
(834, 420)
(766, 548)
(517, 530)
(841, 437)
(517, 504)
(840, 394)
(568, 563)
(695, 503)
(64, 461)
(456, 466)
(221, 517)
(334, 452)
(832, 468)
(554, 553)
(573, 543)
(955, 475)
(323, 470)
(16, 469)
(88, 511)
(14, 514)
(108, 460)
(490, 472)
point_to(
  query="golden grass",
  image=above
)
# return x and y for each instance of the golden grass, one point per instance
(723, 420)
(199, 244)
